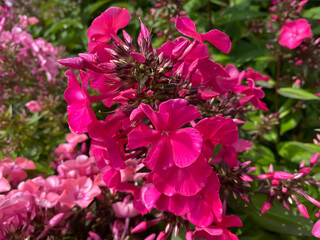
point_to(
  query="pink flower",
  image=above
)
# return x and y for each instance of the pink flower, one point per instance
(4, 185)
(209, 206)
(170, 145)
(33, 106)
(218, 39)
(79, 111)
(256, 76)
(106, 26)
(80, 191)
(217, 130)
(253, 95)
(186, 181)
(14, 169)
(125, 209)
(316, 229)
(81, 166)
(292, 33)
(220, 231)
(73, 140)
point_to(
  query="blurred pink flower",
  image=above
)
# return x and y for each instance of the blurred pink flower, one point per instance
(15, 169)
(292, 33)
(33, 106)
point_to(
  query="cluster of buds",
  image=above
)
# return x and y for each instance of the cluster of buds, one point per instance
(285, 186)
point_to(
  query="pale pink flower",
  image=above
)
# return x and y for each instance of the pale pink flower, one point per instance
(15, 169)
(33, 106)
(4, 185)
(125, 209)
(80, 191)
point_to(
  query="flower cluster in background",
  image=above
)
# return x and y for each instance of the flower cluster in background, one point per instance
(31, 87)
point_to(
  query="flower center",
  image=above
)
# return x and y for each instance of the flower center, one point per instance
(79, 195)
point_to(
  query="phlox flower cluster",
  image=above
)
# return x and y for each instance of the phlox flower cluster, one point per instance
(37, 201)
(28, 51)
(174, 106)
(30, 80)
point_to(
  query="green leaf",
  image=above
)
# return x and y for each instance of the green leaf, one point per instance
(297, 94)
(260, 154)
(279, 220)
(313, 13)
(297, 151)
(64, 23)
(290, 122)
(216, 149)
(286, 108)
(95, 6)
(8, 113)
(218, 2)
(234, 14)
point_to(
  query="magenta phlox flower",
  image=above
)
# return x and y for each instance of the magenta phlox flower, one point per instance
(212, 75)
(219, 231)
(180, 46)
(209, 206)
(229, 153)
(80, 115)
(252, 94)
(218, 39)
(217, 130)
(106, 84)
(186, 181)
(14, 170)
(176, 204)
(293, 32)
(170, 145)
(101, 133)
(80, 191)
(255, 75)
(316, 229)
(106, 26)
